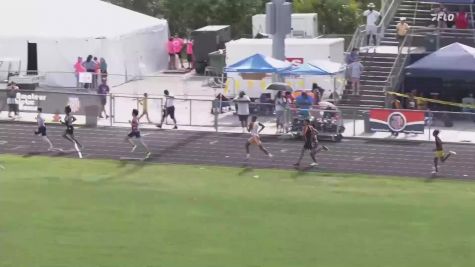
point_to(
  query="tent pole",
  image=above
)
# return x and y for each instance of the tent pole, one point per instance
(471, 14)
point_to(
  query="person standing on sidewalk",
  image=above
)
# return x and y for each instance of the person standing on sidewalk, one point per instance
(144, 103)
(242, 102)
(12, 101)
(102, 91)
(169, 109)
(356, 69)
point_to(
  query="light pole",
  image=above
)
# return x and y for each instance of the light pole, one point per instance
(278, 24)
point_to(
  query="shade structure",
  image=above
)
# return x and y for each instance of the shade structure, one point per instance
(258, 64)
(59, 31)
(452, 62)
(304, 69)
(330, 67)
(455, 2)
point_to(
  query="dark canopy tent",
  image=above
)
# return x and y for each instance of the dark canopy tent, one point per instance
(452, 62)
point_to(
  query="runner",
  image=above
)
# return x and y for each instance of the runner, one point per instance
(42, 129)
(309, 134)
(134, 123)
(253, 128)
(439, 152)
(169, 109)
(144, 103)
(69, 132)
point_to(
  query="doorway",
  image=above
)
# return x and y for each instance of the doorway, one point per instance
(32, 64)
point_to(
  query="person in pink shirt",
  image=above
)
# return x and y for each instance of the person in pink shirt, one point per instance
(171, 53)
(189, 53)
(78, 68)
(178, 44)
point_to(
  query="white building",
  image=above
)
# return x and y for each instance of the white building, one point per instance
(49, 35)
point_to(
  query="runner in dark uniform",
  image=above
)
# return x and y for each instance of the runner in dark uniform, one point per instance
(69, 132)
(439, 152)
(135, 133)
(309, 134)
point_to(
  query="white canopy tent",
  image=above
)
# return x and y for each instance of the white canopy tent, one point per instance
(133, 44)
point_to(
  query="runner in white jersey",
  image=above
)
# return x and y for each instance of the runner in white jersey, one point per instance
(254, 129)
(42, 129)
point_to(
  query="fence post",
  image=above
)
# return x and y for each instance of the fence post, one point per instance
(216, 116)
(354, 122)
(111, 104)
(191, 113)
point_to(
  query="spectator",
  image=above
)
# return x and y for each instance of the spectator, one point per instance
(169, 109)
(304, 103)
(280, 107)
(220, 103)
(189, 54)
(318, 93)
(103, 68)
(469, 100)
(372, 17)
(266, 103)
(90, 67)
(171, 54)
(289, 97)
(356, 69)
(461, 20)
(102, 91)
(177, 47)
(242, 102)
(441, 14)
(353, 56)
(12, 100)
(420, 102)
(97, 71)
(79, 68)
(401, 31)
(411, 101)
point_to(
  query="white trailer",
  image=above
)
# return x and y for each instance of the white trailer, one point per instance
(304, 25)
(298, 51)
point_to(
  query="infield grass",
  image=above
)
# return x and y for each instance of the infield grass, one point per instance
(88, 213)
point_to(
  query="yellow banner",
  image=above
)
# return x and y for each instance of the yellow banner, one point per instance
(434, 101)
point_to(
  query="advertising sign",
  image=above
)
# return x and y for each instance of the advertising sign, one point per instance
(401, 121)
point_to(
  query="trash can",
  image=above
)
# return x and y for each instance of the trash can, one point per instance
(431, 42)
(92, 112)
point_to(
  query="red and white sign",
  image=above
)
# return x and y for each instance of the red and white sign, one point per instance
(389, 120)
(295, 60)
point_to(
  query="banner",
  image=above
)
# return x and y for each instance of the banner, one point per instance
(401, 121)
(85, 77)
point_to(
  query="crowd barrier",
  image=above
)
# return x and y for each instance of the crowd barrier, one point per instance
(334, 123)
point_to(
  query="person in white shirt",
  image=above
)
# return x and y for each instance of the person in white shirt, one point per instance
(254, 129)
(169, 109)
(242, 102)
(42, 129)
(372, 17)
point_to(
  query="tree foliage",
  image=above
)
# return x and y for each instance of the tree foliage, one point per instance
(335, 16)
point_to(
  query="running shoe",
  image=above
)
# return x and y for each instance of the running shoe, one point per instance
(271, 156)
(453, 153)
(314, 164)
(248, 156)
(148, 155)
(133, 148)
(325, 148)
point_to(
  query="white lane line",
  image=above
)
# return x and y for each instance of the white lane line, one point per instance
(3, 142)
(358, 159)
(213, 142)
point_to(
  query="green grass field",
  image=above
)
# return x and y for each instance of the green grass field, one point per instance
(61, 212)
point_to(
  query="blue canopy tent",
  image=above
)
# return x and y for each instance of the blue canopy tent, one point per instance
(258, 64)
(304, 69)
(452, 62)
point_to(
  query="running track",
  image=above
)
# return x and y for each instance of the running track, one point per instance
(168, 146)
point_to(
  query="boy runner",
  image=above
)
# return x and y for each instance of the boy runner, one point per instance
(144, 103)
(169, 109)
(69, 132)
(310, 138)
(42, 129)
(439, 152)
(135, 133)
(253, 128)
